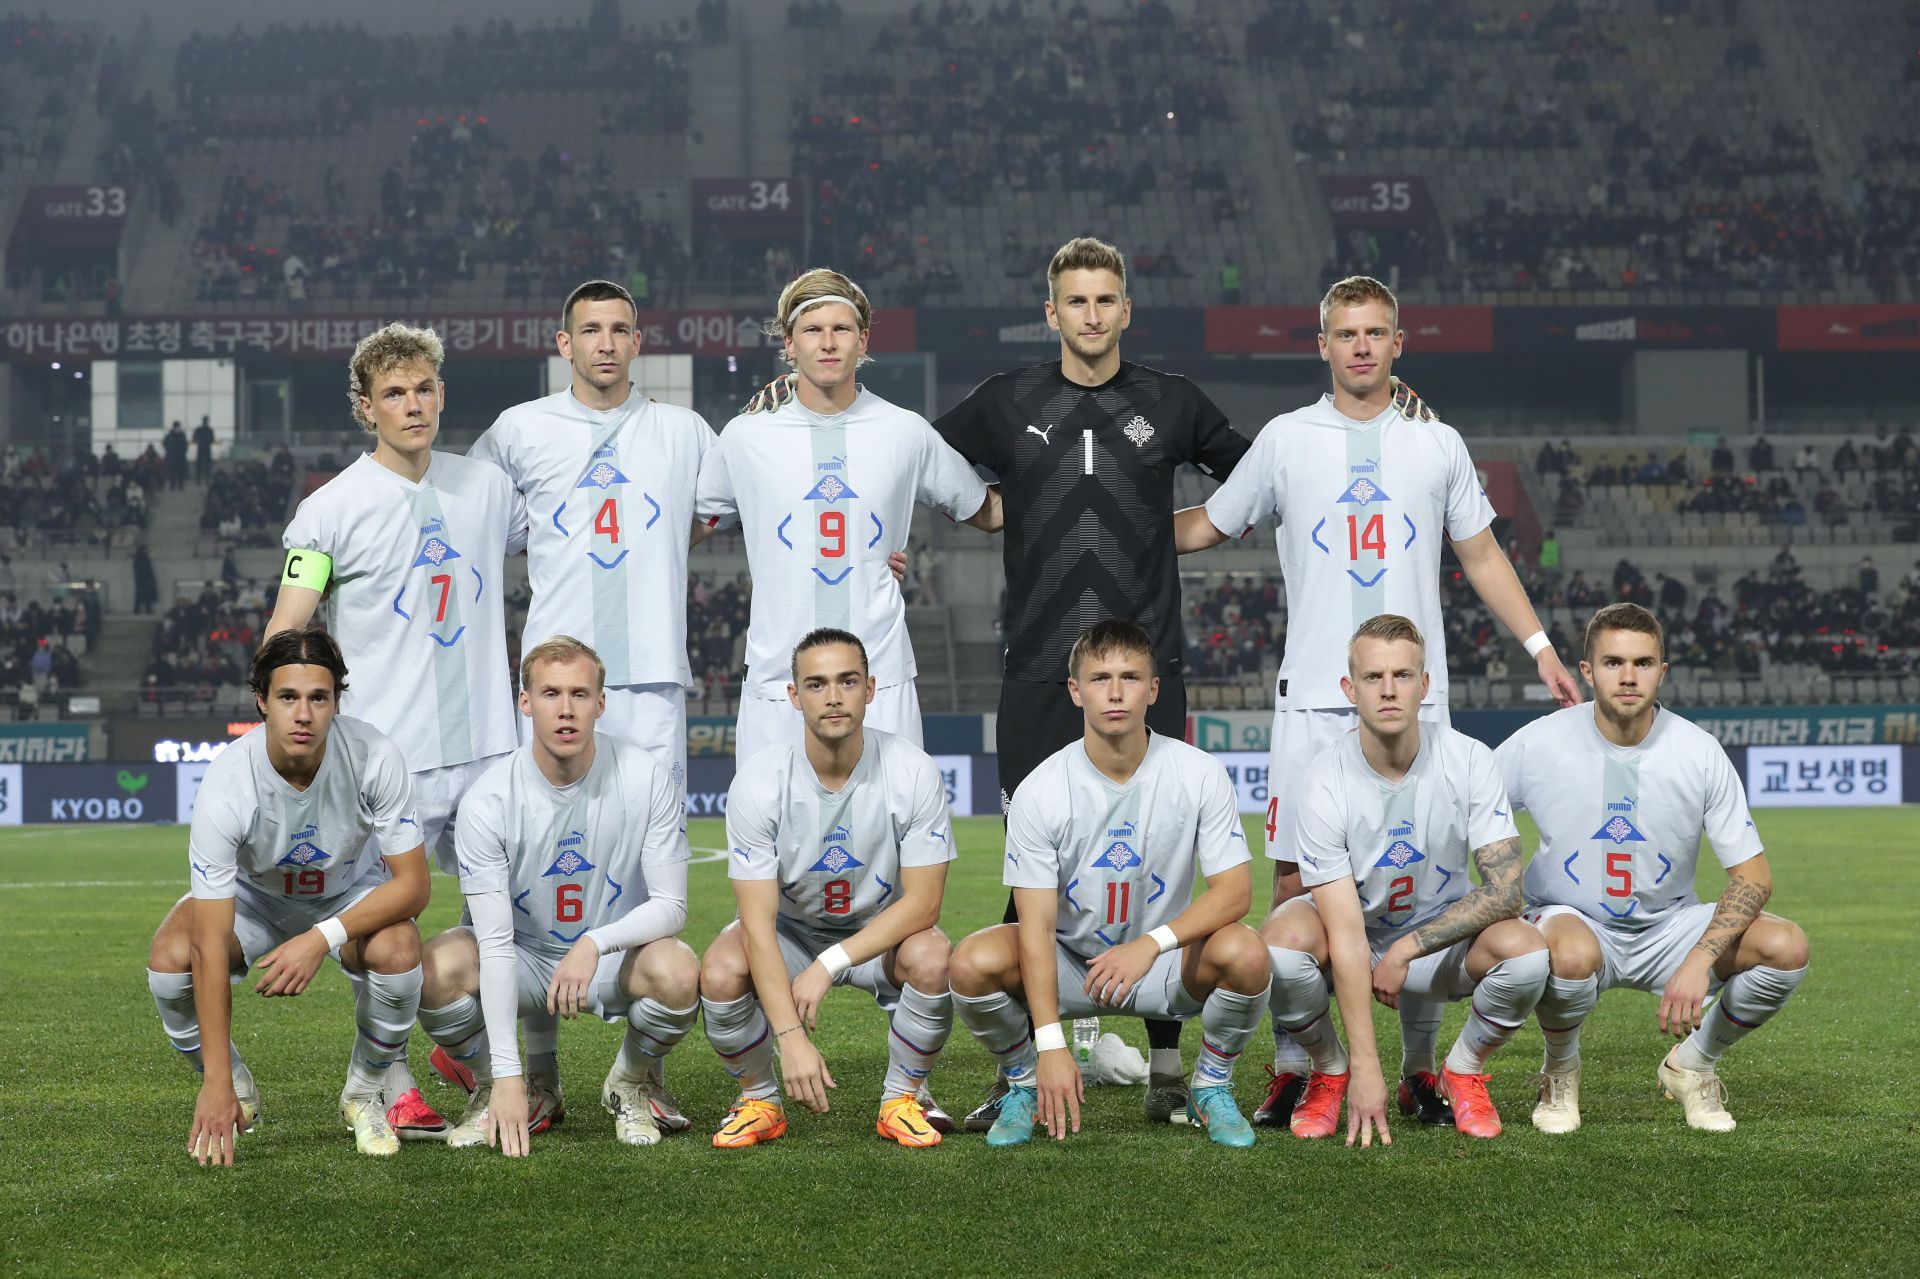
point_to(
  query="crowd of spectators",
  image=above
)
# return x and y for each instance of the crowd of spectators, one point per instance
(83, 497)
(1234, 629)
(246, 501)
(205, 643)
(717, 632)
(38, 643)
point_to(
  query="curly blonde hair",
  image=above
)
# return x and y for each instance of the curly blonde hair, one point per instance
(387, 348)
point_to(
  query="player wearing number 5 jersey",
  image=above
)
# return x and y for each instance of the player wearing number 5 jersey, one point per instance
(824, 488)
(573, 858)
(608, 475)
(1364, 485)
(838, 850)
(305, 842)
(1622, 792)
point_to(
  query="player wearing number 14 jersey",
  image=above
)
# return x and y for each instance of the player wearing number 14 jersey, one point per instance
(824, 488)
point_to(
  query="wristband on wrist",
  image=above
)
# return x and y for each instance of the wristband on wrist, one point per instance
(1164, 937)
(1048, 1037)
(834, 959)
(334, 931)
(1536, 642)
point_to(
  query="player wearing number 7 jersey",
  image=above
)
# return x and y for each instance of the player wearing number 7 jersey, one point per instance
(1622, 792)
(838, 852)
(824, 488)
(1364, 486)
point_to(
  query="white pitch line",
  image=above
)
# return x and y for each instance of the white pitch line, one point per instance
(95, 883)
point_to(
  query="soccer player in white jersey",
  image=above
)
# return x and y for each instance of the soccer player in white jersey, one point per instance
(1103, 841)
(1622, 792)
(1388, 816)
(305, 842)
(1363, 484)
(411, 544)
(573, 858)
(838, 856)
(823, 487)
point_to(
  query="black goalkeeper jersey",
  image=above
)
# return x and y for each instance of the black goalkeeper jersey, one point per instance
(1086, 481)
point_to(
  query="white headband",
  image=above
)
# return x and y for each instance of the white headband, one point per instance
(811, 302)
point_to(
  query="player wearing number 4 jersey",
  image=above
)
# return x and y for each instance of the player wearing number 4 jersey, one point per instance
(573, 857)
(408, 544)
(1622, 793)
(838, 852)
(824, 488)
(1103, 842)
(305, 842)
(1388, 815)
(1364, 484)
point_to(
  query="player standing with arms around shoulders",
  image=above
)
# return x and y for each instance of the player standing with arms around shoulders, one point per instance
(573, 858)
(304, 843)
(1622, 792)
(1103, 842)
(410, 544)
(824, 486)
(1086, 449)
(1363, 484)
(1388, 815)
(838, 856)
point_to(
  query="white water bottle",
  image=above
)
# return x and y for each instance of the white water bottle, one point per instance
(1086, 1033)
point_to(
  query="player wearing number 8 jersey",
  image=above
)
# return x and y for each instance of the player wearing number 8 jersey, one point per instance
(1622, 792)
(824, 488)
(838, 851)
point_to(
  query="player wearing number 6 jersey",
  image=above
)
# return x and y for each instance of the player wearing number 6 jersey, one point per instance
(305, 841)
(1388, 816)
(838, 852)
(1622, 792)
(408, 544)
(1103, 842)
(824, 488)
(573, 857)
(1364, 485)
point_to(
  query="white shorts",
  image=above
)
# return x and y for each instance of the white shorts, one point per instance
(535, 969)
(1298, 736)
(436, 797)
(1639, 958)
(1158, 996)
(800, 945)
(654, 717)
(767, 721)
(262, 925)
(1441, 976)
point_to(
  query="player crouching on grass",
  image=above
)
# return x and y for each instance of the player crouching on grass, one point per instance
(838, 851)
(279, 879)
(1103, 840)
(1387, 816)
(573, 858)
(1622, 792)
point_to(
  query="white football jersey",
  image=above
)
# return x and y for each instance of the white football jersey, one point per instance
(823, 501)
(1405, 844)
(255, 836)
(838, 854)
(571, 859)
(1620, 826)
(417, 602)
(609, 498)
(1122, 858)
(1362, 508)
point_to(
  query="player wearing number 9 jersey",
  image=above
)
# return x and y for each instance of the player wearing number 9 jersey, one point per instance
(824, 488)
(1622, 792)
(838, 850)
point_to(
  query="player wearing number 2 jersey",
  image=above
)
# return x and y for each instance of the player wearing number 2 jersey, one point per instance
(838, 850)
(824, 488)
(1364, 485)
(1622, 792)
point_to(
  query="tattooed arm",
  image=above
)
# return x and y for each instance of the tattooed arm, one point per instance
(1748, 886)
(1496, 898)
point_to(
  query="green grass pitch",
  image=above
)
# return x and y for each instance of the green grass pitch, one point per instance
(1820, 1178)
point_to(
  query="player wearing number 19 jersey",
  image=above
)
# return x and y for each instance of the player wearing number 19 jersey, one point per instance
(824, 488)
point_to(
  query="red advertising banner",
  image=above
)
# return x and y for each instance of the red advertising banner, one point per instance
(894, 331)
(1295, 330)
(1849, 328)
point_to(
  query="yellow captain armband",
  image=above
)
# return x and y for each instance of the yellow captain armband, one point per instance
(307, 568)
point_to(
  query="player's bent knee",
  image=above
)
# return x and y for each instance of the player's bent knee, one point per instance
(1785, 945)
(979, 963)
(724, 973)
(1295, 925)
(922, 960)
(394, 949)
(666, 970)
(1239, 955)
(1574, 952)
(1512, 938)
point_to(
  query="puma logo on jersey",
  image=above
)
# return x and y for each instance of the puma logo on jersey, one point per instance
(1045, 435)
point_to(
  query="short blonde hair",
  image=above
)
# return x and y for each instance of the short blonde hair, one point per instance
(385, 349)
(1625, 616)
(1389, 628)
(1084, 253)
(1357, 290)
(1111, 638)
(561, 648)
(810, 287)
